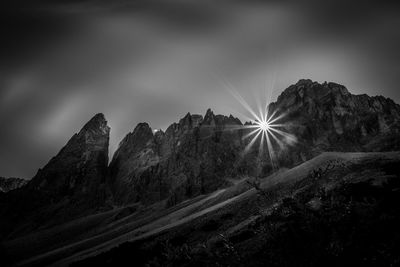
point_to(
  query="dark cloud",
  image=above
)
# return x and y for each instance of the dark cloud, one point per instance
(154, 61)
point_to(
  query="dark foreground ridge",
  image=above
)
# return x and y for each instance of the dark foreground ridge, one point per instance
(78, 201)
(8, 184)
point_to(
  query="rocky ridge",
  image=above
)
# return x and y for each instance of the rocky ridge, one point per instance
(190, 158)
(198, 154)
(8, 184)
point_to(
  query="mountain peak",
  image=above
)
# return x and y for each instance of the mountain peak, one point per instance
(208, 118)
(77, 173)
(341, 114)
(142, 126)
(140, 134)
(306, 89)
(308, 84)
(97, 123)
(209, 112)
(303, 82)
(186, 121)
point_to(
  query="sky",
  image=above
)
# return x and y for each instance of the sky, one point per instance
(63, 61)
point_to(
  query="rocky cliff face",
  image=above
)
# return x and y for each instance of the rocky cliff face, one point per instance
(137, 152)
(80, 168)
(191, 157)
(326, 117)
(199, 155)
(70, 185)
(8, 184)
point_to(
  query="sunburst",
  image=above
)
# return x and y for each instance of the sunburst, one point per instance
(265, 126)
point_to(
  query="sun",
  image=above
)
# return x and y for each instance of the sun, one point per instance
(267, 125)
(263, 125)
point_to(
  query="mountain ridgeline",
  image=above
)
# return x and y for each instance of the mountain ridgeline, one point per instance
(197, 155)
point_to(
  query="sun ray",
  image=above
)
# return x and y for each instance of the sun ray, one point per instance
(240, 99)
(273, 119)
(288, 136)
(250, 126)
(274, 125)
(261, 150)
(271, 152)
(247, 148)
(279, 142)
(250, 134)
(260, 106)
(267, 124)
(246, 117)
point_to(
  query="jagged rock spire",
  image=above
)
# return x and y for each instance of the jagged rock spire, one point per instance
(80, 166)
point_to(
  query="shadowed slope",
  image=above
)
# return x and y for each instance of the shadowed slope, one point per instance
(349, 215)
(211, 208)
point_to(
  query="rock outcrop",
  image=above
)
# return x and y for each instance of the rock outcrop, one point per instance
(326, 117)
(137, 152)
(8, 184)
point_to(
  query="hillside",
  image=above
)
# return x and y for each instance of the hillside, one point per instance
(355, 182)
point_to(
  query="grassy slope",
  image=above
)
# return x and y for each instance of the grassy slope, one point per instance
(229, 211)
(305, 221)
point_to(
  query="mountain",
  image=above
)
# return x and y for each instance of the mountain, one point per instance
(79, 170)
(70, 185)
(199, 155)
(203, 165)
(327, 117)
(192, 157)
(8, 184)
